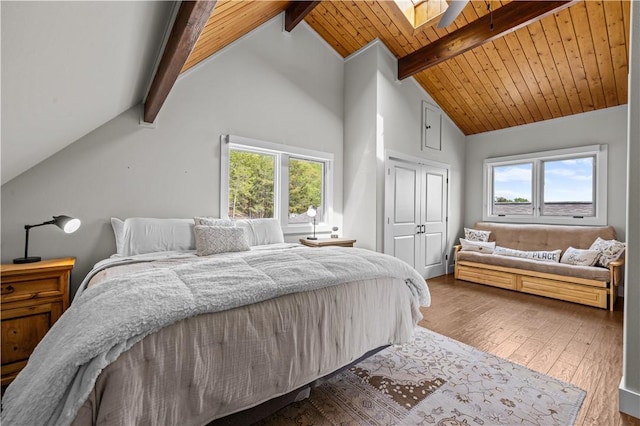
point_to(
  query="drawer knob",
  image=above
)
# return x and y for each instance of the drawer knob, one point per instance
(9, 289)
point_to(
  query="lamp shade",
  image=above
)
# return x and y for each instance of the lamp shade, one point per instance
(67, 223)
(311, 212)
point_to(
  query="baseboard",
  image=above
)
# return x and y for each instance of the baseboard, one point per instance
(629, 401)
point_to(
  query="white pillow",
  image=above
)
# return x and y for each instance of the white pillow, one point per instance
(261, 231)
(219, 239)
(476, 235)
(212, 221)
(118, 232)
(540, 255)
(148, 235)
(610, 250)
(574, 256)
(479, 246)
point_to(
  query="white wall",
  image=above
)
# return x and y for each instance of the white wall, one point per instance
(360, 100)
(596, 127)
(400, 112)
(629, 401)
(381, 114)
(270, 85)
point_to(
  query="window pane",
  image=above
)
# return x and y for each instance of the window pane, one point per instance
(251, 185)
(305, 189)
(568, 187)
(512, 189)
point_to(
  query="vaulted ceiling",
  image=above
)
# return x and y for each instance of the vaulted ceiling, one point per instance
(572, 61)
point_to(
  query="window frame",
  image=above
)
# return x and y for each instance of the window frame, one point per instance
(281, 179)
(598, 152)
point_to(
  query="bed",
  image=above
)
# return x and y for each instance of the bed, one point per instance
(170, 337)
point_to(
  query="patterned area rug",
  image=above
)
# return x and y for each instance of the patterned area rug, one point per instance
(438, 381)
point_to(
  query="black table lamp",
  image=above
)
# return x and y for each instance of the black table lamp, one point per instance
(66, 223)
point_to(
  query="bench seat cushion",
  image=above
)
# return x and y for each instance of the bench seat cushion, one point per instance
(587, 272)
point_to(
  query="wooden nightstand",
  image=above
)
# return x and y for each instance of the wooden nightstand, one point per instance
(34, 296)
(323, 242)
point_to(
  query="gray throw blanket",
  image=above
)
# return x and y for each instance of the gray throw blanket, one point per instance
(107, 319)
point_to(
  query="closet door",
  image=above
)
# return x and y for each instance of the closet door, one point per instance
(433, 217)
(416, 215)
(402, 207)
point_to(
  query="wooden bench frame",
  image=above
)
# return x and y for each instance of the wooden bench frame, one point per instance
(601, 294)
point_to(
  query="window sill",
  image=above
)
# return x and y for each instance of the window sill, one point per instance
(305, 229)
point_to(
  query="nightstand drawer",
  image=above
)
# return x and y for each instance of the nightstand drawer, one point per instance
(33, 288)
(23, 328)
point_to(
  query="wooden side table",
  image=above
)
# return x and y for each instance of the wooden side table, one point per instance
(34, 296)
(324, 242)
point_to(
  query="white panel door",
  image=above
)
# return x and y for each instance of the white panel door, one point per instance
(403, 211)
(434, 218)
(416, 215)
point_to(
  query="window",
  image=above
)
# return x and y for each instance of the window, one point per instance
(262, 179)
(251, 184)
(512, 189)
(563, 187)
(305, 189)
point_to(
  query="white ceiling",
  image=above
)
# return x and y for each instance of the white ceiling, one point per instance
(69, 67)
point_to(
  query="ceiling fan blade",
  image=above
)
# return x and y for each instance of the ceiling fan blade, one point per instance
(452, 12)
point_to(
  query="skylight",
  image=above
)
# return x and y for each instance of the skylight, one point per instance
(422, 12)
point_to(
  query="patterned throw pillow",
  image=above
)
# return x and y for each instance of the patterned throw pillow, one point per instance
(476, 234)
(542, 256)
(212, 221)
(610, 250)
(219, 239)
(574, 256)
(479, 246)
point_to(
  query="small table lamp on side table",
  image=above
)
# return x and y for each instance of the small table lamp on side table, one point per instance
(325, 242)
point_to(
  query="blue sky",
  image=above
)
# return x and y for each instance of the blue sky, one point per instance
(564, 180)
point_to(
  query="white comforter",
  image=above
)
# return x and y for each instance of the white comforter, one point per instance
(108, 319)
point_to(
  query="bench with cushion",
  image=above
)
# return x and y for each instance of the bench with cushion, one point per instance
(589, 285)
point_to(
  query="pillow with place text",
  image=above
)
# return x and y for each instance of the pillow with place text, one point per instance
(574, 256)
(212, 221)
(540, 255)
(610, 250)
(479, 246)
(219, 239)
(476, 234)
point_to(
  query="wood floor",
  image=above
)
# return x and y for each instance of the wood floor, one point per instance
(575, 343)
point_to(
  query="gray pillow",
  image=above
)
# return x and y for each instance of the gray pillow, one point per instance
(476, 234)
(212, 221)
(219, 239)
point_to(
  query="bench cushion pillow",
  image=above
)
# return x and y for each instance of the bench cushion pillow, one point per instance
(574, 256)
(480, 246)
(476, 234)
(539, 255)
(610, 250)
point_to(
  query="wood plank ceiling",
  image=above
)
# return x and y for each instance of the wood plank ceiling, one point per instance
(570, 62)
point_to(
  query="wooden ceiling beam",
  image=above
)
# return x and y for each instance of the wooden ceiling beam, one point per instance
(296, 12)
(189, 23)
(506, 19)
